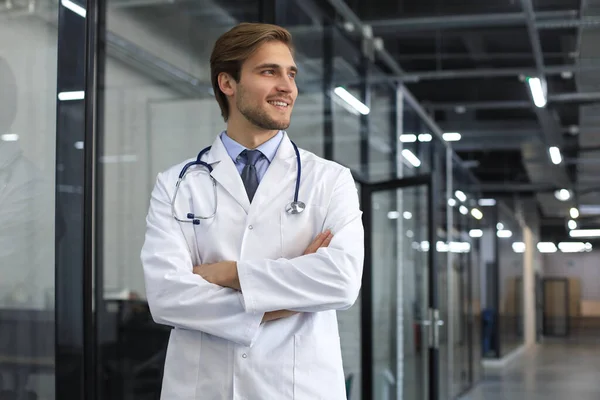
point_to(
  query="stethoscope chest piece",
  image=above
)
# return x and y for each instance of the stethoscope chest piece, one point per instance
(295, 207)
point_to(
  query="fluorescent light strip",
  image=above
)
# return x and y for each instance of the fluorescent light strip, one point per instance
(10, 137)
(463, 210)
(562, 195)
(460, 195)
(518, 247)
(555, 155)
(451, 136)
(425, 137)
(351, 100)
(584, 233)
(77, 9)
(408, 138)
(487, 202)
(504, 234)
(475, 233)
(451, 202)
(571, 247)
(546, 247)
(572, 224)
(537, 92)
(68, 96)
(393, 215)
(411, 158)
(476, 213)
(574, 212)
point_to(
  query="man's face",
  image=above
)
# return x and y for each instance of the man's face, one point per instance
(267, 88)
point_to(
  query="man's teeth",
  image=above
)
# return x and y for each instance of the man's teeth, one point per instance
(278, 103)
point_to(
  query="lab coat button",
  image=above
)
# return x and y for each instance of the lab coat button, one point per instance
(244, 355)
(250, 227)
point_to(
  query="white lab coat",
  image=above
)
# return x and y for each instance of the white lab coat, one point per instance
(218, 348)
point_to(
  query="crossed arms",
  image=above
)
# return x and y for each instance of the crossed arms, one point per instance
(207, 297)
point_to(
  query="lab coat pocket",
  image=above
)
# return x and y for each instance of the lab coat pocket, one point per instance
(318, 370)
(182, 364)
(299, 230)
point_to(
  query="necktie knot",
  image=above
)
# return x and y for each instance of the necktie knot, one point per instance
(250, 157)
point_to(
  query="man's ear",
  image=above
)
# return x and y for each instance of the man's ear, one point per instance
(226, 83)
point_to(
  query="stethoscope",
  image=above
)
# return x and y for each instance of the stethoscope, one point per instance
(295, 207)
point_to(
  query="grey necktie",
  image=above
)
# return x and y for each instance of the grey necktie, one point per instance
(249, 175)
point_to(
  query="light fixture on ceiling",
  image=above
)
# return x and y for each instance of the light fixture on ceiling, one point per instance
(393, 214)
(425, 137)
(451, 136)
(407, 215)
(411, 158)
(487, 202)
(518, 247)
(589, 209)
(555, 155)
(580, 233)
(351, 100)
(505, 233)
(463, 210)
(562, 194)
(408, 138)
(451, 202)
(538, 91)
(69, 96)
(572, 224)
(546, 247)
(476, 233)
(77, 9)
(476, 213)
(574, 212)
(10, 137)
(572, 247)
(460, 195)
(499, 226)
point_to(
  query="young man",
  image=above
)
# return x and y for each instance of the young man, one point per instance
(252, 291)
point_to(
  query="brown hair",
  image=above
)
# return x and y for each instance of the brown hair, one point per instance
(236, 46)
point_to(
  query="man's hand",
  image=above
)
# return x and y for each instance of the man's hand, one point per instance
(223, 273)
(322, 240)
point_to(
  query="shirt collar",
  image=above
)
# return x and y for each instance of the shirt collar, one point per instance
(268, 148)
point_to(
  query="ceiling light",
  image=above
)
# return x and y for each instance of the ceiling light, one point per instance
(555, 155)
(77, 9)
(67, 96)
(574, 212)
(476, 213)
(393, 215)
(10, 137)
(487, 202)
(518, 247)
(537, 92)
(408, 138)
(572, 224)
(351, 100)
(584, 233)
(451, 202)
(571, 247)
(411, 158)
(589, 209)
(504, 234)
(546, 247)
(562, 194)
(499, 226)
(460, 109)
(476, 233)
(463, 210)
(451, 136)
(460, 195)
(425, 137)
(407, 215)
(566, 74)
(78, 145)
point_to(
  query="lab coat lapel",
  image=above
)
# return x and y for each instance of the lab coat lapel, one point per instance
(277, 176)
(226, 174)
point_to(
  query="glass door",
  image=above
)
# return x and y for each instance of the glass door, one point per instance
(398, 317)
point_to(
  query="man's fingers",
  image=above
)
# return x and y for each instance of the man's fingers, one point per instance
(327, 240)
(322, 240)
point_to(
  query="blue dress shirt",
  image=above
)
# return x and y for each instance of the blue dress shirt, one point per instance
(269, 149)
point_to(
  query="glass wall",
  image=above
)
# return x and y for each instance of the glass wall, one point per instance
(28, 71)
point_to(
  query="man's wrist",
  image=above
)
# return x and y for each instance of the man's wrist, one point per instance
(233, 277)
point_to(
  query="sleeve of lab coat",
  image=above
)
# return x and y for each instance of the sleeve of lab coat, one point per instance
(329, 279)
(176, 296)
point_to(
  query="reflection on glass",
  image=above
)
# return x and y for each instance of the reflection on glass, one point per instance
(27, 236)
(158, 110)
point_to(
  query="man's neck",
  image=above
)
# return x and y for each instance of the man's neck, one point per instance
(250, 137)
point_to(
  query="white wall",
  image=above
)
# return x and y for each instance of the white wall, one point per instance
(583, 266)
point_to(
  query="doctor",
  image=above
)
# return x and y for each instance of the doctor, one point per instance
(252, 291)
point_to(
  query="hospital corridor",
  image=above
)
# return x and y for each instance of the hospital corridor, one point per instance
(299, 200)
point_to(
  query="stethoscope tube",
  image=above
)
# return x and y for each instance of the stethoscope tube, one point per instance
(295, 207)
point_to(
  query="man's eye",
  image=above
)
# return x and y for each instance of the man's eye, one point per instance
(293, 75)
(269, 71)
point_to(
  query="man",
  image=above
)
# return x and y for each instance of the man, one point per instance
(252, 292)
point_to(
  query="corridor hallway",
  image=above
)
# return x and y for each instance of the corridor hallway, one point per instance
(549, 371)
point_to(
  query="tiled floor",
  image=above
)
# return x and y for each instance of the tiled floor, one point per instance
(552, 371)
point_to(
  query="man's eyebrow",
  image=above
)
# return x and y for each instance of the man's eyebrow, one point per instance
(275, 66)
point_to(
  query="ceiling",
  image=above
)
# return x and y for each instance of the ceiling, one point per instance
(466, 61)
